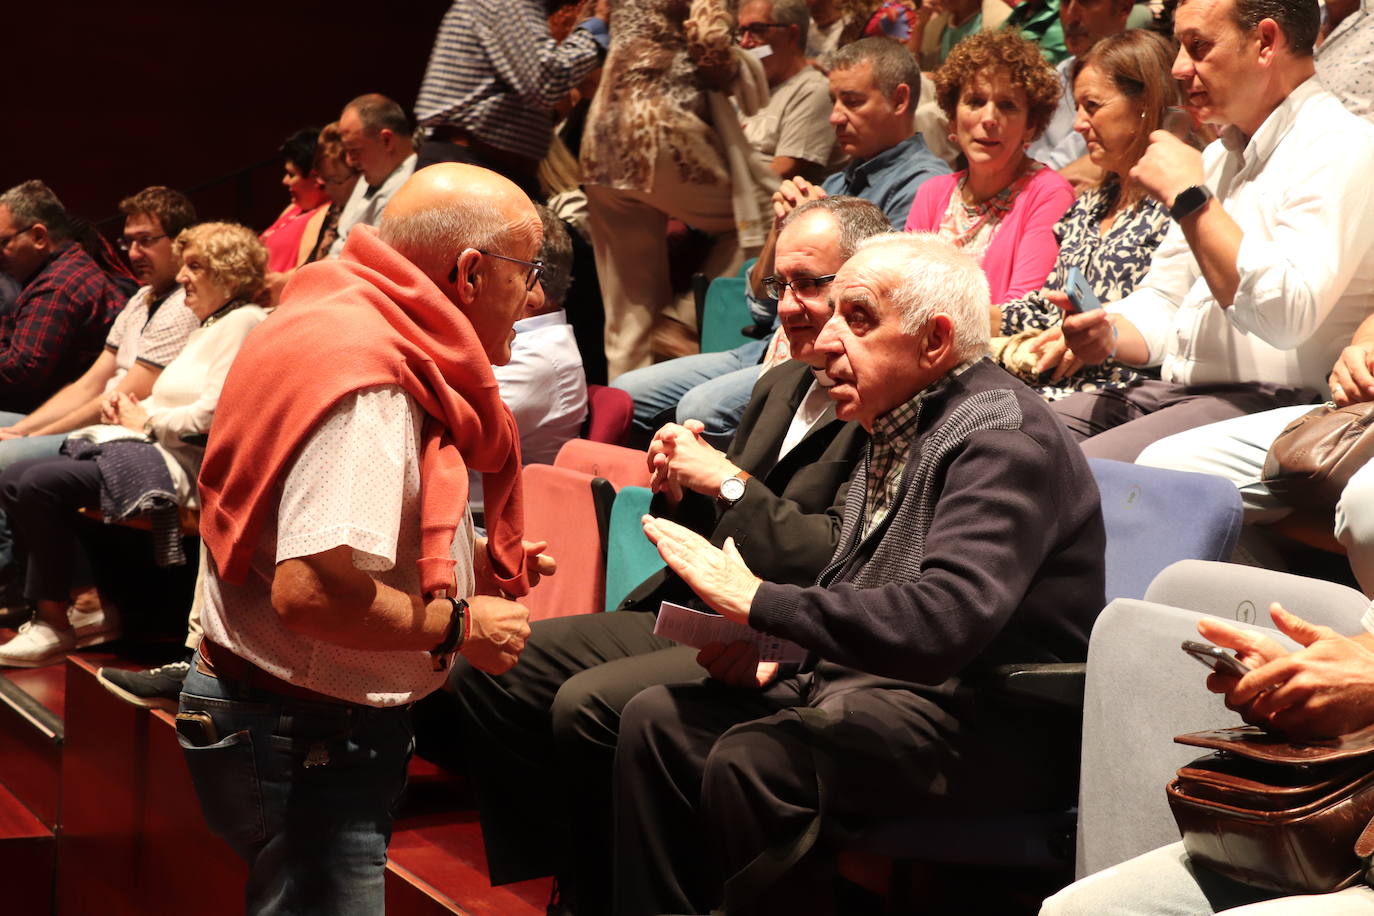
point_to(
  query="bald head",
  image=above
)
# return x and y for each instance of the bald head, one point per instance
(449, 206)
(475, 234)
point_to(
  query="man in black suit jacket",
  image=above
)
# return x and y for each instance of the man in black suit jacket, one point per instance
(540, 739)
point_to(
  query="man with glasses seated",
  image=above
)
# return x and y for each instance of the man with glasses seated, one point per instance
(790, 135)
(875, 84)
(540, 737)
(146, 336)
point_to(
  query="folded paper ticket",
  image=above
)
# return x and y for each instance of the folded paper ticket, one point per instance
(696, 629)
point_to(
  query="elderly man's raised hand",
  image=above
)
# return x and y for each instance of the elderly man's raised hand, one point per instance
(497, 631)
(1168, 167)
(1351, 380)
(737, 664)
(681, 459)
(719, 576)
(1322, 690)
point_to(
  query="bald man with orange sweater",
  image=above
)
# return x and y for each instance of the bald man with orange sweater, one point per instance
(343, 573)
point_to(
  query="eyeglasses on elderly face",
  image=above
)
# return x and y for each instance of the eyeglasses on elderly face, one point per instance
(802, 287)
(536, 268)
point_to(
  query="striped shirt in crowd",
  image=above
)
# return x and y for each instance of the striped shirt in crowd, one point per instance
(496, 73)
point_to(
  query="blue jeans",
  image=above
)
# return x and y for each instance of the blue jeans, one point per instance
(314, 836)
(711, 387)
(11, 452)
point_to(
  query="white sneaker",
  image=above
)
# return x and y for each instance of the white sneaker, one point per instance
(93, 627)
(36, 644)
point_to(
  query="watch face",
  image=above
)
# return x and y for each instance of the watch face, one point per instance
(731, 488)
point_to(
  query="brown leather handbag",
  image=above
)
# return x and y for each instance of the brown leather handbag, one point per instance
(1315, 456)
(1278, 815)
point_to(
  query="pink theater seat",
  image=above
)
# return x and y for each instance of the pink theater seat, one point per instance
(561, 508)
(623, 467)
(609, 411)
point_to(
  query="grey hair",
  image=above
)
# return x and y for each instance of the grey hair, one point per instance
(793, 12)
(433, 238)
(557, 254)
(859, 219)
(32, 202)
(892, 63)
(929, 275)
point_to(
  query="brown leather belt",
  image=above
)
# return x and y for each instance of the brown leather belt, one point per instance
(218, 662)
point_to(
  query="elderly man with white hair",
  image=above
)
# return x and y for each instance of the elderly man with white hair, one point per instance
(972, 537)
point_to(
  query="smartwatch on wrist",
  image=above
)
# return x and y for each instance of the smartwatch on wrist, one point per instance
(732, 489)
(454, 636)
(1189, 201)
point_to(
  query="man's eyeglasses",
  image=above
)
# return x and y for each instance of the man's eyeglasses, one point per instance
(145, 242)
(14, 235)
(536, 268)
(758, 29)
(802, 287)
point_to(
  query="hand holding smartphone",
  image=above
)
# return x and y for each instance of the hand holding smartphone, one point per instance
(1216, 658)
(1080, 292)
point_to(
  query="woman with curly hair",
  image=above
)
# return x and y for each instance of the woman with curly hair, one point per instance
(144, 458)
(998, 93)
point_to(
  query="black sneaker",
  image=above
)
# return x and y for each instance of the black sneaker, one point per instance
(154, 688)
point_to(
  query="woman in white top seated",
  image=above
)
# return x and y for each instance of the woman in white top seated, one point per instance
(143, 459)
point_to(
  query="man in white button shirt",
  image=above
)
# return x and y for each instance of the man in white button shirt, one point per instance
(1270, 267)
(376, 137)
(338, 587)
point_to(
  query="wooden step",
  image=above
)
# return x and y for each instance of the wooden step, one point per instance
(134, 842)
(27, 848)
(437, 843)
(31, 735)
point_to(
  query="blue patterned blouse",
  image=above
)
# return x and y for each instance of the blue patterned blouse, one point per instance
(1112, 263)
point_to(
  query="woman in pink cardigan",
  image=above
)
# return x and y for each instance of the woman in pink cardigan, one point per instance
(999, 94)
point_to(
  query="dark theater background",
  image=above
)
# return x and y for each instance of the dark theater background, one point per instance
(102, 99)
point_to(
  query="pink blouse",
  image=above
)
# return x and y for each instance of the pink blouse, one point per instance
(1022, 253)
(283, 238)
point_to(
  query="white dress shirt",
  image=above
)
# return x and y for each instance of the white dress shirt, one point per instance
(1301, 191)
(544, 386)
(1060, 144)
(366, 203)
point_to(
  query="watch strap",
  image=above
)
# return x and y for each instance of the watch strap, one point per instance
(1189, 201)
(455, 635)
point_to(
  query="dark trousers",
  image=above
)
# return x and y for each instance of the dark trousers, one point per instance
(40, 496)
(540, 741)
(711, 778)
(1118, 423)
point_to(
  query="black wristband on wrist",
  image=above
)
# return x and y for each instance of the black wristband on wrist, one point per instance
(455, 634)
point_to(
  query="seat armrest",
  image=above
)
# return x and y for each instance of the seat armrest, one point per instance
(1058, 683)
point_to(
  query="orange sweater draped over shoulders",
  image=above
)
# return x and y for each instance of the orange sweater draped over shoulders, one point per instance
(369, 318)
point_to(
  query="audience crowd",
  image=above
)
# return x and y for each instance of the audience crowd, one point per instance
(979, 244)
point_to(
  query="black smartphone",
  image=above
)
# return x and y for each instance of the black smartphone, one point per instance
(1216, 658)
(197, 728)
